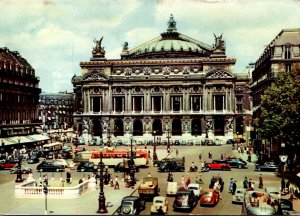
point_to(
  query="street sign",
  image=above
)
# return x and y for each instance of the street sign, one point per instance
(283, 158)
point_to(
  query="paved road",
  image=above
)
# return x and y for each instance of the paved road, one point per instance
(88, 202)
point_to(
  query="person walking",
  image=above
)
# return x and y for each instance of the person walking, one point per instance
(249, 183)
(177, 152)
(233, 188)
(117, 186)
(260, 182)
(230, 185)
(68, 179)
(282, 184)
(245, 183)
(182, 184)
(209, 155)
(188, 181)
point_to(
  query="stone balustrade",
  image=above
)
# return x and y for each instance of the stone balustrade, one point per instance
(30, 189)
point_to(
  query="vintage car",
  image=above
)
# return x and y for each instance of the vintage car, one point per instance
(86, 166)
(219, 165)
(131, 205)
(24, 169)
(209, 197)
(7, 165)
(65, 163)
(124, 167)
(33, 158)
(172, 188)
(284, 205)
(273, 192)
(238, 197)
(158, 163)
(267, 166)
(196, 188)
(149, 187)
(237, 163)
(159, 202)
(46, 166)
(185, 200)
(171, 166)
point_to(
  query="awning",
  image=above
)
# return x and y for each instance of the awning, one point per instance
(8, 141)
(22, 139)
(38, 137)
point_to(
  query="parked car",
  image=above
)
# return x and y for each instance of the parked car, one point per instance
(185, 200)
(171, 166)
(230, 141)
(237, 163)
(159, 202)
(209, 197)
(176, 142)
(33, 158)
(86, 166)
(238, 197)
(267, 166)
(65, 163)
(157, 163)
(7, 165)
(46, 166)
(284, 206)
(131, 205)
(196, 188)
(24, 169)
(172, 188)
(121, 167)
(219, 165)
(273, 192)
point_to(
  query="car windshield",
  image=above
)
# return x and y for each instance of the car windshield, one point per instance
(274, 192)
(159, 201)
(127, 203)
(193, 188)
(182, 195)
(208, 193)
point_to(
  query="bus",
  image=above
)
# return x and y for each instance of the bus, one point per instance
(82, 156)
(52, 148)
(112, 157)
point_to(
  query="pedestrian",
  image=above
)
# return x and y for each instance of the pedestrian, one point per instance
(45, 180)
(149, 175)
(222, 157)
(68, 180)
(160, 211)
(188, 181)
(245, 183)
(200, 157)
(149, 154)
(117, 186)
(210, 155)
(221, 182)
(177, 152)
(233, 188)
(200, 166)
(288, 184)
(249, 183)
(260, 180)
(282, 184)
(230, 185)
(182, 184)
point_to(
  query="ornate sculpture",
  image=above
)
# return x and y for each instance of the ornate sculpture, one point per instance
(229, 124)
(219, 42)
(125, 46)
(98, 49)
(171, 24)
(209, 124)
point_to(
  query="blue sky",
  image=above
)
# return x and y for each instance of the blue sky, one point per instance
(56, 35)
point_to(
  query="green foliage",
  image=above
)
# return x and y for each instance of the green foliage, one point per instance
(280, 108)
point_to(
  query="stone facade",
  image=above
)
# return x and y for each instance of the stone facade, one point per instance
(171, 87)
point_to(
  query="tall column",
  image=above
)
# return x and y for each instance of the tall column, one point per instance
(214, 98)
(89, 100)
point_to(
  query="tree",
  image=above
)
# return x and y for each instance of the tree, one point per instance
(280, 109)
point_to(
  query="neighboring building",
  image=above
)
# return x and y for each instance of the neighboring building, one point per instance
(172, 85)
(19, 95)
(280, 56)
(56, 110)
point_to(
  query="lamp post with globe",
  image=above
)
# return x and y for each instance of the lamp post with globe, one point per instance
(102, 208)
(19, 171)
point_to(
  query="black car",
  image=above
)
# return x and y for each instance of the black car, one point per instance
(230, 141)
(284, 205)
(46, 166)
(120, 167)
(176, 142)
(171, 166)
(131, 205)
(86, 167)
(237, 163)
(33, 158)
(185, 200)
(267, 166)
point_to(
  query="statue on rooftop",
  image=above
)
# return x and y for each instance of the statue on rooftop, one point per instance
(125, 46)
(98, 48)
(219, 42)
(171, 24)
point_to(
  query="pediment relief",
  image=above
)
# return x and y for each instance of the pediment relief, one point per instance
(94, 76)
(219, 73)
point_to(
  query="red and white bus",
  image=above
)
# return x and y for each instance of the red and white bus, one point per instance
(113, 157)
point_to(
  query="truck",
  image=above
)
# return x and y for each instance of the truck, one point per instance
(149, 187)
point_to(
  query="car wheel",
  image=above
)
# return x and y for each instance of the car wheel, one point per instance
(126, 210)
(223, 168)
(276, 170)
(239, 166)
(258, 169)
(41, 170)
(82, 170)
(57, 170)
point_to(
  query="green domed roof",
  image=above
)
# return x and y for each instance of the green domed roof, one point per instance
(169, 44)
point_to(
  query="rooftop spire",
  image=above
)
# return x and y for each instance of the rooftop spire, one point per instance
(172, 24)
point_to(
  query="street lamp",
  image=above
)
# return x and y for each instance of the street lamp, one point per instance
(45, 192)
(102, 208)
(19, 171)
(131, 164)
(168, 137)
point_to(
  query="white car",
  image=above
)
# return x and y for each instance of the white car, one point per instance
(172, 188)
(65, 163)
(238, 197)
(196, 188)
(159, 201)
(273, 192)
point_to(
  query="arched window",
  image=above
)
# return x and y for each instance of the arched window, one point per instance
(196, 127)
(176, 127)
(137, 128)
(97, 128)
(157, 128)
(118, 128)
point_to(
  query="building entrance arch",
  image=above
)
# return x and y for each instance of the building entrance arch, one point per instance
(118, 128)
(196, 126)
(176, 127)
(219, 125)
(137, 128)
(157, 128)
(97, 127)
